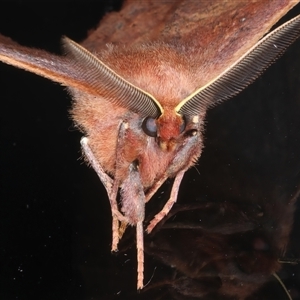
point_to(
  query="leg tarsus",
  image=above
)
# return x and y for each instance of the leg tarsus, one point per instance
(140, 254)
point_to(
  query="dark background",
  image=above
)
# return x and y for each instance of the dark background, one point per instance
(54, 216)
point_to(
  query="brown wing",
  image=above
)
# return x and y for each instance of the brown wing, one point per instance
(244, 71)
(215, 34)
(212, 34)
(57, 68)
(82, 70)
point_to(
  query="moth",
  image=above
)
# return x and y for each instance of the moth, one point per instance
(141, 101)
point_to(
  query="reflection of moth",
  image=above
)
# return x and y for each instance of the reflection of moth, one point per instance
(141, 101)
(231, 254)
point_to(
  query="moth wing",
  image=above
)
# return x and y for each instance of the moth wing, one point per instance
(244, 71)
(40, 62)
(211, 34)
(81, 70)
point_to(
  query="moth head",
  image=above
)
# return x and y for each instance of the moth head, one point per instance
(166, 129)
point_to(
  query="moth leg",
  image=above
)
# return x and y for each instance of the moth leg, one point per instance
(167, 207)
(116, 216)
(140, 254)
(192, 151)
(111, 190)
(133, 207)
(105, 179)
(155, 187)
(122, 228)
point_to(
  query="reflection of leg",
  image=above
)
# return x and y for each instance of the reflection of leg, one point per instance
(173, 197)
(111, 189)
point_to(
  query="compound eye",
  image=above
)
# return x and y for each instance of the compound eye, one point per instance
(149, 126)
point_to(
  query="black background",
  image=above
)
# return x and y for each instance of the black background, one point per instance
(54, 216)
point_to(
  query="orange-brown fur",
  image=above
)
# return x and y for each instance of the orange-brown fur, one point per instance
(169, 56)
(170, 83)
